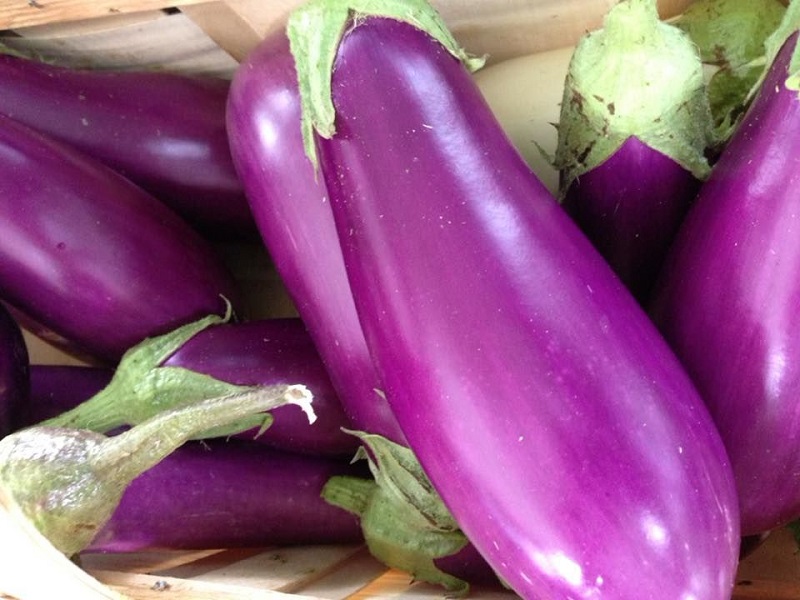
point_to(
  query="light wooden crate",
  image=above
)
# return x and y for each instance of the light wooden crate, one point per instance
(194, 36)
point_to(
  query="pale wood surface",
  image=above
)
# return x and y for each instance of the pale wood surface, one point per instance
(25, 13)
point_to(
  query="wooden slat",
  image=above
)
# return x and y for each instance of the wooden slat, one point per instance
(225, 26)
(26, 13)
(155, 41)
(152, 587)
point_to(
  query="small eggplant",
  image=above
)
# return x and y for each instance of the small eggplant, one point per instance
(635, 124)
(89, 261)
(229, 494)
(164, 131)
(69, 482)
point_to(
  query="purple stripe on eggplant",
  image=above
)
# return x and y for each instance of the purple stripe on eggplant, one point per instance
(728, 300)
(164, 131)
(220, 494)
(14, 372)
(291, 208)
(552, 418)
(630, 207)
(94, 263)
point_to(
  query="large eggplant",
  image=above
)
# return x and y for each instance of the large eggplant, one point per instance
(14, 372)
(264, 352)
(558, 427)
(729, 298)
(219, 494)
(90, 261)
(291, 208)
(164, 131)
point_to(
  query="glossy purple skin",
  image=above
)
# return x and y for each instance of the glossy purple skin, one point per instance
(555, 422)
(94, 263)
(164, 131)
(229, 495)
(265, 352)
(728, 301)
(14, 372)
(290, 206)
(630, 207)
(271, 352)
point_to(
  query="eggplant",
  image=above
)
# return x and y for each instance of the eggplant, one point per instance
(728, 299)
(164, 131)
(88, 260)
(291, 209)
(68, 482)
(14, 372)
(634, 128)
(263, 352)
(549, 414)
(290, 205)
(229, 494)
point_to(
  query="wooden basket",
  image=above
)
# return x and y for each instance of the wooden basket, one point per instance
(211, 37)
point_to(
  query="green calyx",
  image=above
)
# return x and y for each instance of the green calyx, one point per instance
(730, 36)
(637, 76)
(789, 25)
(405, 523)
(142, 387)
(730, 33)
(315, 31)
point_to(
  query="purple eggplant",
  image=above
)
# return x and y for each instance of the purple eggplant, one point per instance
(166, 132)
(14, 372)
(635, 124)
(221, 494)
(266, 352)
(291, 209)
(68, 482)
(728, 300)
(290, 206)
(88, 260)
(553, 420)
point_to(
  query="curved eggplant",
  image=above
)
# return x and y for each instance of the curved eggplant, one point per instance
(290, 206)
(219, 494)
(14, 372)
(166, 132)
(559, 429)
(728, 299)
(90, 261)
